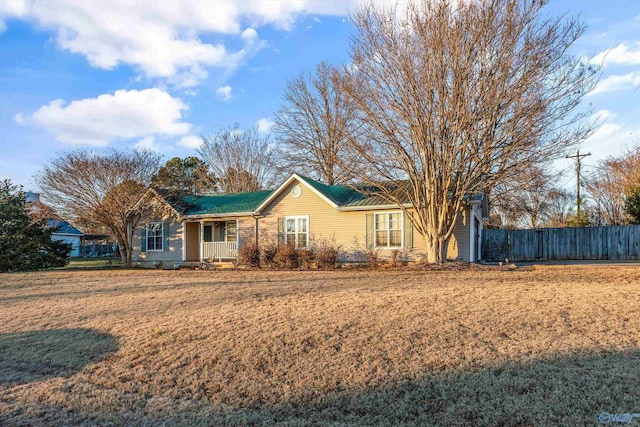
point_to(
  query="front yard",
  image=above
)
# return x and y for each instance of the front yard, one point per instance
(541, 346)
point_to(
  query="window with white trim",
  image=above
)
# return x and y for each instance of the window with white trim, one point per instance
(296, 231)
(388, 230)
(155, 236)
(231, 231)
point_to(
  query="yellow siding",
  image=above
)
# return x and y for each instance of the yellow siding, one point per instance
(246, 230)
(347, 229)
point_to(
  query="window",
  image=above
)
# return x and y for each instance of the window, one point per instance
(207, 233)
(232, 231)
(388, 230)
(296, 231)
(154, 236)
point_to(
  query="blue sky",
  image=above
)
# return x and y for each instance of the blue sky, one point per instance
(117, 74)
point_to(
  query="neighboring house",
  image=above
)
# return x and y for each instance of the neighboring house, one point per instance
(301, 210)
(66, 233)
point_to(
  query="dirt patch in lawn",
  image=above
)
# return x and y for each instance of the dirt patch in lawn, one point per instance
(482, 347)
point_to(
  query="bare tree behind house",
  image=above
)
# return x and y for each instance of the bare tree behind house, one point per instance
(93, 189)
(613, 182)
(241, 159)
(315, 123)
(560, 208)
(524, 201)
(457, 96)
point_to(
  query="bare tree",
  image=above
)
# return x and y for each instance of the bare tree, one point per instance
(525, 200)
(615, 179)
(241, 160)
(101, 189)
(457, 96)
(560, 208)
(314, 125)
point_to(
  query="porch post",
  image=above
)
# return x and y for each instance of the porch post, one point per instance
(201, 241)
(184, 241)
(472, 233)
(480, 232)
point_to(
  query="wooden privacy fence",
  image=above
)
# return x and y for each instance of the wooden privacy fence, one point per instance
(575, 243)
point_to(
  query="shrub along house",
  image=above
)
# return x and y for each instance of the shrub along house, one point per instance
(299, 212)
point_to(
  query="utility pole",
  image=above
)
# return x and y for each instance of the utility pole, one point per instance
(578, 158)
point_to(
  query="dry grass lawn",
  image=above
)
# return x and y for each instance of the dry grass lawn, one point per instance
(538, 346)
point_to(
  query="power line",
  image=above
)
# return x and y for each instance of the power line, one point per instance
(578, 158)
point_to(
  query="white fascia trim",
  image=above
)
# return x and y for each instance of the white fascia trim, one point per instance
(474, 208)
(279, 190)
(483, 207)
(151, 190)
(193, 218)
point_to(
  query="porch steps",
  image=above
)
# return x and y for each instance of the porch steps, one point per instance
(216, 265)
(224, 265)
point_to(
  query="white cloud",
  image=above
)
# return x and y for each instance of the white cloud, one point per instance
(224, 93)
(19, 119)
(148, 143)
(190, 141)
(617, 82)
(621, 55)
(11, 9)
(610, 137)
(250, 35)
(165, 39)
(264, 125)
(123, 115)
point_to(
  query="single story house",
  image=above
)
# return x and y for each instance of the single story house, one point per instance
(66, 233)
(298, 212)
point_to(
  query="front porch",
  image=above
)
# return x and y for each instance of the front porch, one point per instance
(214, 240)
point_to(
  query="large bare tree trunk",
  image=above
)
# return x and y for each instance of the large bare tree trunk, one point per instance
(437, 250)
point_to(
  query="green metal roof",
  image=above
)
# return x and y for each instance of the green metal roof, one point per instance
(346, 196)
(223, 203)
(340, 195)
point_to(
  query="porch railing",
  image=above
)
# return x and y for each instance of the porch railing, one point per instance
(219, 250)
